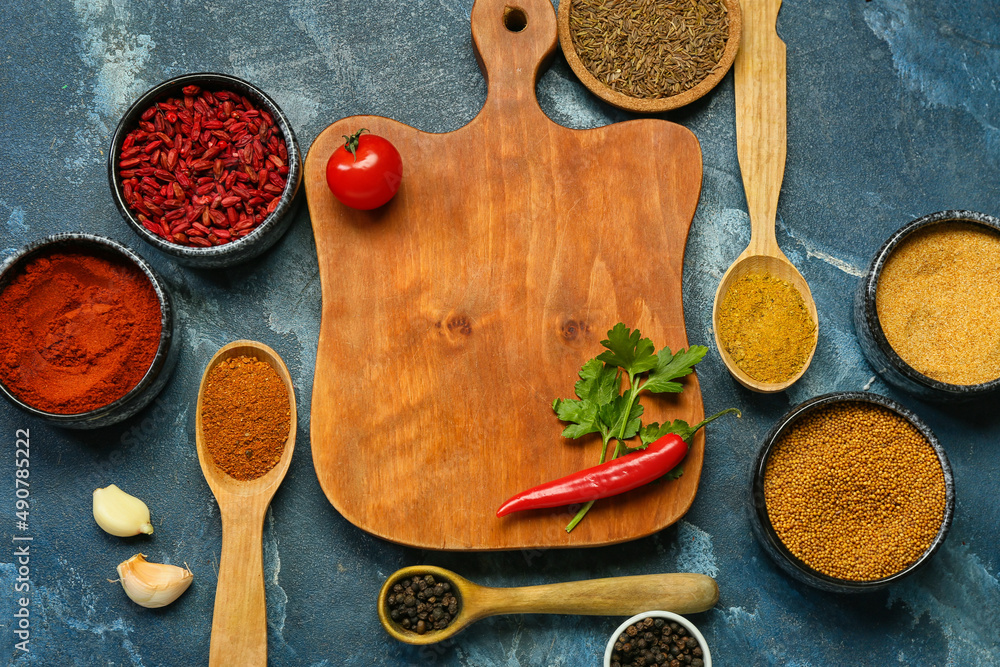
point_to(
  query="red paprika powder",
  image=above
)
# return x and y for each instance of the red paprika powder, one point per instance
(78, 330)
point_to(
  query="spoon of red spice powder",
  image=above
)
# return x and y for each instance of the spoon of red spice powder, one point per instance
(245, 434)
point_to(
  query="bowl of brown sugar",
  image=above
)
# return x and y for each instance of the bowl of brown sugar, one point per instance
(851, 492)
(926, 310)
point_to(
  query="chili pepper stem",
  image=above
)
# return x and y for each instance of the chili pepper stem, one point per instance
(586, 508)
(703, 422)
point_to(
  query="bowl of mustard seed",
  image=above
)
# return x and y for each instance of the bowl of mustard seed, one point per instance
(851, 492)
(650, 56)
(926, 310)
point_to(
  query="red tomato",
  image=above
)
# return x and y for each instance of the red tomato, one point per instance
(365, 172)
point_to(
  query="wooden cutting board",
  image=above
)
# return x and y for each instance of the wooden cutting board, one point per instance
(455, 314)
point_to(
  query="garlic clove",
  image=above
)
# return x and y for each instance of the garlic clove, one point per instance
(153, 585)
(119, 513)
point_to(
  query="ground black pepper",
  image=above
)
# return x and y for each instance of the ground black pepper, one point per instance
(656, 641)
(422, 603)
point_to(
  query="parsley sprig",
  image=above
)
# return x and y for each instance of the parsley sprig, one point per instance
(602, 407)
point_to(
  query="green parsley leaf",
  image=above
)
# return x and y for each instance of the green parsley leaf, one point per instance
(628, 350)
(673, 474)
(672, 366)
(650, 433)
(653, 432)
(582, 414)
(613, 415)
(598, 383)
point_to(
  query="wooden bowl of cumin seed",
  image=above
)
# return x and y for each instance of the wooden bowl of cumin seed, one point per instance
(648, 56)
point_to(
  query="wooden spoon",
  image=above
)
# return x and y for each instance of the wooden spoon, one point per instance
(761, 143)
(239, 623)
(614, 596)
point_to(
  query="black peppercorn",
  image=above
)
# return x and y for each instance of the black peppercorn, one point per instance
(422, 603)
(656, 642)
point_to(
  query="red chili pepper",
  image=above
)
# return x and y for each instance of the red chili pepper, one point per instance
(609, 478)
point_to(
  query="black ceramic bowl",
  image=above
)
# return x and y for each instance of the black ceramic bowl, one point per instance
(159, 370)
(264, 235)
(876, 348)
(776, 549)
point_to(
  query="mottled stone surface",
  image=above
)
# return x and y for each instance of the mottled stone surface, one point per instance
(893, 110)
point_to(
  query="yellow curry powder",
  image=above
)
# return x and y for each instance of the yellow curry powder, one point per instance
(938, 299)
(765, 327)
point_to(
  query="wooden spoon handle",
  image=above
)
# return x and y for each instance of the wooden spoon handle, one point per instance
(760, 119)
(615, 596)
(239, 623)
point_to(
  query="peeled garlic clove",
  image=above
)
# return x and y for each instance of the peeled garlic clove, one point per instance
(153, 585)
(120, 514)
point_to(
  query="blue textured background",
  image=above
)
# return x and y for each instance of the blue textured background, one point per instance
(893, 112)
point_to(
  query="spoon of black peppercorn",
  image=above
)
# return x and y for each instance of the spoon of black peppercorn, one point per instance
(681, 593)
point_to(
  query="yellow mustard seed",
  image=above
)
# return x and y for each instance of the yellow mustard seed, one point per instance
(855, 491)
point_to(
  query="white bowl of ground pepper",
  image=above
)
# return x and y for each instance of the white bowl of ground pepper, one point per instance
(851, 492)
(655, 638)
(926, 310)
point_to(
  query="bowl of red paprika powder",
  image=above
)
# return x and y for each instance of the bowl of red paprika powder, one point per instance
(205, 168)
(87, 331)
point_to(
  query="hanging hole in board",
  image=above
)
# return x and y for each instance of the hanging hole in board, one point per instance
(514, 19)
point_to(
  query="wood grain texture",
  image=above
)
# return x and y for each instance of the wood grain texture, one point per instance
(239, 621)
(761, 120)
(455, 314)
(680, 593)
(761, 145)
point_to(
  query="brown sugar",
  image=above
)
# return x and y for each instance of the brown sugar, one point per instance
(938, 299)
(855, 491)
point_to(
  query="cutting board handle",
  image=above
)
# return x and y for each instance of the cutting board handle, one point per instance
(514, 41)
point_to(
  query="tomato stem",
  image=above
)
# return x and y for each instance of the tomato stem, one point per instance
(351, 142)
